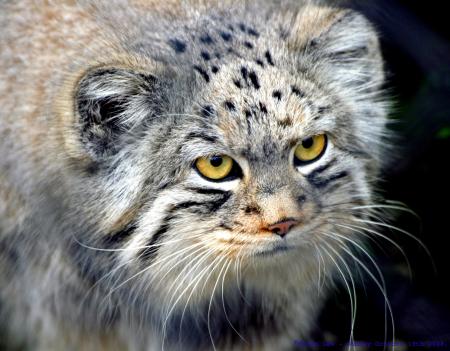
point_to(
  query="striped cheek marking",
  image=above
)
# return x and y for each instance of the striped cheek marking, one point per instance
(152, 223)
(166, 215)
(325, 171)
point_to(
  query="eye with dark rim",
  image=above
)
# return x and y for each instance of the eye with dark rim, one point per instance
(218, 168)
(310, 149)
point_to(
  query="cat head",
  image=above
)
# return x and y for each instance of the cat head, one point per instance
(226, 154)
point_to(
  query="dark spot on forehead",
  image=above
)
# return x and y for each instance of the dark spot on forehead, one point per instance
(202, 72)
(214, 69)
(263, 108)
(206, 39)
(237, 83)
(229, 105)
(242, 27)
(178, 45)
(254, 79)
(207, 111)
(277, 94)
(248, 45)
(297, 91)
(253, 32)
(244, 72)
(286, 122)
(259, 62)
(226, 36)
(205, 55)
(203, 136)
(250, 77)
(268, 57)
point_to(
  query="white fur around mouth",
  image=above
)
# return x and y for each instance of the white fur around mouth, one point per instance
(277, 249)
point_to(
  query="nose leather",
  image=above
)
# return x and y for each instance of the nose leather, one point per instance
(283, 227)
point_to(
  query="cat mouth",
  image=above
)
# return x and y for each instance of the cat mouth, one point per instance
(275, 250)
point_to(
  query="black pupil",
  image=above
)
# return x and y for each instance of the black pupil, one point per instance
(307, 143)
(216, 161)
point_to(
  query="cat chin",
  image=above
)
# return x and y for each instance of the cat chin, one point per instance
(275, 251)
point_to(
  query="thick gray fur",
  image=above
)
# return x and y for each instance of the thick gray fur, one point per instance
(97, 155)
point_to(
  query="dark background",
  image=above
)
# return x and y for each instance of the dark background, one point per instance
(415, 37)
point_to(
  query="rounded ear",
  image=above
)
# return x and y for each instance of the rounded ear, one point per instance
(341, 48)
(343, 43)
(109, 103)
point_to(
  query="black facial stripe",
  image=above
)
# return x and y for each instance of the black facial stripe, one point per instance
(214, 205)
(321, 169)
(149, 253)
(120, 236)
(321, 183)
(323, 109)
(205, 207)
(225, 226)
(185, 205)
(198, 135)
(208, 191)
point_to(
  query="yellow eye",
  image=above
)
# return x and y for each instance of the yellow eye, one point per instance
(311, 148)
(214, 167)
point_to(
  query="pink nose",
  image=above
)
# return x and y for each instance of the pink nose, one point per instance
(283, 227)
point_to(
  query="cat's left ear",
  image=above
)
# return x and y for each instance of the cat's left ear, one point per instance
(342, 44)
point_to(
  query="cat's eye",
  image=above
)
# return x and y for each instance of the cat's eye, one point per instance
(310, 149)
(217, 167)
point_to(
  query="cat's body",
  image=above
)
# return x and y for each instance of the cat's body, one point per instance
(105, 225)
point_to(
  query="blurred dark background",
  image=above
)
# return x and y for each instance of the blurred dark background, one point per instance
(415, 37)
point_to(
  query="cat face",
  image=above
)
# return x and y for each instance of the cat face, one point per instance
(255, 163)
(247, 183)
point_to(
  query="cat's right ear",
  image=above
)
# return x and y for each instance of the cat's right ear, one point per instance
(109, 105)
